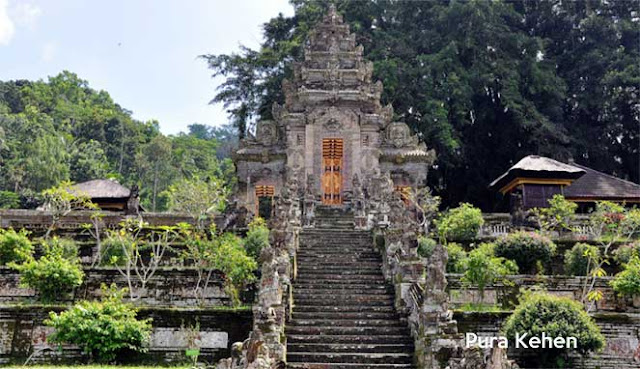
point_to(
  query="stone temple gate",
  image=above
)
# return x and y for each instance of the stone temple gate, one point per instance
(330, 128)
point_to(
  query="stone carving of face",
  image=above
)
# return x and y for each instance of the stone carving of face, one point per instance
(266, 133)
(398, 134)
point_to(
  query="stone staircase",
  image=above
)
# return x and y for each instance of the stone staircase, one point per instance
(343, 315)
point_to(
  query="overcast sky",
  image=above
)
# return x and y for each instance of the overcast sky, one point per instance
(144, 53)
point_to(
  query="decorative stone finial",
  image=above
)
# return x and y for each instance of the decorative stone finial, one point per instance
(332, 15)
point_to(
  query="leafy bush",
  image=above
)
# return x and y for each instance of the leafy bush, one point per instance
(116, 246)
(15, 247)
(104, 329)
(426, 246)
(9, 200)
(257, 237)
(529, 250)
(461, 223)
(229, 256)
(482, 267)
(558, 216)
(457, 255)
(581, 259)
(624, 253)
(56, 273)
(627, 282)
(225, 253)
(540, 312)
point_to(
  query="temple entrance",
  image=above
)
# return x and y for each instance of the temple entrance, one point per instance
(332, 157)
(264, 203)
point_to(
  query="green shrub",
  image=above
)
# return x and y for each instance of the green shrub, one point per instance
(116, 246)
(229, 256)
(624, 253)
(257, 237)
(457, 255)
(482, 268)
(9, 200)
(104, 329)
(15, 247)
(426, 246)
(461, 223)
(529, 250)
(558, 216)
(55, 274)
(540, 312)
(627, 282)
(581, 259)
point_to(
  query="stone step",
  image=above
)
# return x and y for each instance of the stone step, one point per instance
(362, 287)
(314, 261)
(326, 302)
(338, 272)
(350, 339)
(344, 309)
(340, 269)
(352, 233)
(320, 291)
(345, 323)
(330, 245)
(357, 358)
(330, 330)
(347, 366)
(353, 347)
(345, 315)
(299, 296)
(354, 278)
(336, 252)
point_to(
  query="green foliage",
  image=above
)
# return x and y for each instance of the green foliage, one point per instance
(627, 282)
(581, 259)
(9, 199)
(230, 257)
(104, 329)
(540, 312)
(257, 237)
(625, 252)
(482, 268)
(528, 249)
(558, 216)
(63, 130)
(116, 247)
(198, 198)
(56, 273)
(461, 223)
(15, 247)
(426, 246)
(225, 252)
(457, 256)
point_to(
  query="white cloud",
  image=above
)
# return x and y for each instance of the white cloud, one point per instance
(25, 14)
(6, 25)
(48, 52)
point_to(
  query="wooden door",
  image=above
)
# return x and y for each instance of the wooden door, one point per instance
(264, 200)
(332, 157)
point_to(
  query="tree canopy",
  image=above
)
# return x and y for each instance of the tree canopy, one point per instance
(483, 82)
(61, 129)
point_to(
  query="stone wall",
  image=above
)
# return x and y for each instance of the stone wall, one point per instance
(169, 287)
(621, 331)
(22, 333)
(35, 219)
(506, 295)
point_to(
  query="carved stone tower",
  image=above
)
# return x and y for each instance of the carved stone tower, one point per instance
(330, 128)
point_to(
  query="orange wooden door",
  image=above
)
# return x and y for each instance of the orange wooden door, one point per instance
(332, 150)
